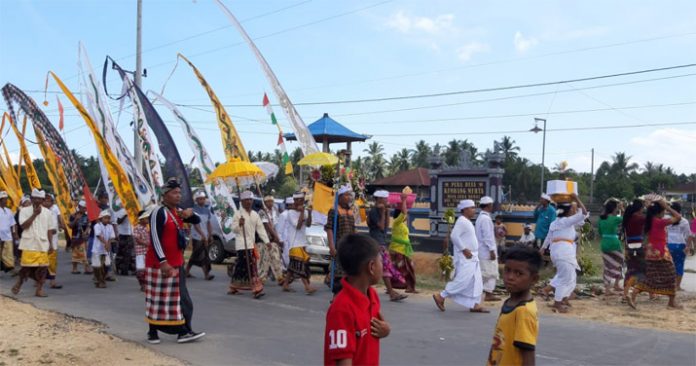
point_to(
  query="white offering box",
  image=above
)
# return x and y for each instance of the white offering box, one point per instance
(563, 188)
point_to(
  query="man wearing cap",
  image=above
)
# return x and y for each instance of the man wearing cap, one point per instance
(79, 226)
(298, 220)
(201, 237)
(8, 234)
(37, 223)
(246, 224)
(25, 201)
(527, 239)
(168, 305)
(49, 203)
(269, 254)
(378, 222)
(104, 238)
(487, 248)
(124, 262)
(544, 214)
(467, 286)
(345, 225)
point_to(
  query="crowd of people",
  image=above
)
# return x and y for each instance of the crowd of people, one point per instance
(644, 246)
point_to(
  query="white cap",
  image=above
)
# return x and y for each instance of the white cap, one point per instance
(345, 189)
(465, 204)
(527, 226)
(381, 194)
(485, 200)
(82, 204)
(104, 213)
(3, 194)
(246, 195)
(36, 193)
(546, 197)
(147, 212)
(289, 201)
(199, 194)
(298, 195)
(24, 198)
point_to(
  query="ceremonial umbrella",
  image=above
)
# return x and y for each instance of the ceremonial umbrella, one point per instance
(319, 159)
(241, 173)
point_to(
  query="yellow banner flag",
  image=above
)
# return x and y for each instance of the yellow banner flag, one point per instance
(122, 185)
(14, 201)
(8, 172)
(32, 177)
(322, 199)
(231, 142)
(58, 180)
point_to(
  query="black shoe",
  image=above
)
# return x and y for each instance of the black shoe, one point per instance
(189, 337)
(153, 339)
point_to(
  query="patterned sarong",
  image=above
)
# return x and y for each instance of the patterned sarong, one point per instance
(613, 266)
(78, 253)
(405, 266)
(390, 270)
(299, 263)
(660, 277)
(244, 272)
(162, 298)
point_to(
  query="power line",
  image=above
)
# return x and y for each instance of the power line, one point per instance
(594, 128)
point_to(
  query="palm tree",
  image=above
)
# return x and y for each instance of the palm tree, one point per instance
(376, 165)
(510, 150)
(420, 155)
(399, 161)
(621, 165)
(453, 152)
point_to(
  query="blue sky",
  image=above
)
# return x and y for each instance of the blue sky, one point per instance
(325, 50)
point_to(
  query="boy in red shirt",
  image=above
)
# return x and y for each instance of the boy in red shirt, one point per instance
(354, 322)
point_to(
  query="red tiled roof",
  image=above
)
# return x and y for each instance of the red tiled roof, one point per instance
(415, 178)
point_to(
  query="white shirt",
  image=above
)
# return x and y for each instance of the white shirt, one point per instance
(677, 234)
(35, 237)
(527, 238)
(206, 216)
(107, 233)
(295, 237)
(125, 227)
(464, 237)
(7, 221)
(56, 222)
(485, 235)
(280, 225)
(252, 226)
(562, 235)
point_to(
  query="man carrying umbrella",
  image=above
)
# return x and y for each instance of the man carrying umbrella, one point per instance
(246, 224)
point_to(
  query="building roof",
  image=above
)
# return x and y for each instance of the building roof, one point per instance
(415, 178)
(326, 127)
(684, 188)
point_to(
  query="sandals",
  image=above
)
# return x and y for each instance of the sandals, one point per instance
(259, 295)
(397, 298)
(233, 292)
(75, 272)
(440, 304)
(479, 310)
(15, 289)
(310, 291)
(209, 277)
(57, 287)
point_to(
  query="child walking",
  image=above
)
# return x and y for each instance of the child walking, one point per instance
(354, 322)
(515, 337)
(141, 234)
(103, 237)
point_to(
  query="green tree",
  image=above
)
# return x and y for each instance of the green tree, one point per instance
(399, 162)
(420, 154)
(375, 162)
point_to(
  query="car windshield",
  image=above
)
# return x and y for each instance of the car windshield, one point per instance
(315, 240)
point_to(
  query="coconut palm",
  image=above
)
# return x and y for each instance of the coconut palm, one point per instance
(399, 161)
(509, 149)
(622, 166)
(375, 162)
(420, 155)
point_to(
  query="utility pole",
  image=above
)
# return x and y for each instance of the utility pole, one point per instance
(138, 81)
(536, 129)
(592, 179)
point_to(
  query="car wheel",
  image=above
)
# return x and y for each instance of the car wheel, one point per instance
(216, 252)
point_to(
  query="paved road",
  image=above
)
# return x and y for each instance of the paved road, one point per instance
(287, 329)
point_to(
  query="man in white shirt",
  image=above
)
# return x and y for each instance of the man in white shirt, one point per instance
(124, 261)
(201, 237)
(8, 234)
(280, 229)
(487, 251)
(467, 286)
(49, 203)
(246, 224)
(297, 222)
(37, 223)
(104, 237)
(269, 254)
(527, 239)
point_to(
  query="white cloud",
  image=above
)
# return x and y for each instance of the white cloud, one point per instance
(14, 156)
(522, 43)
(405, 23)
(672, 147)
(470, 49)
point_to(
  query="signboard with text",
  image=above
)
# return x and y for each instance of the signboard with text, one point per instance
(453, 191)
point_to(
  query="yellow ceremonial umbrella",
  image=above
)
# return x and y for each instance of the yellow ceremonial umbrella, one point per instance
(243, 173)
(319, 159)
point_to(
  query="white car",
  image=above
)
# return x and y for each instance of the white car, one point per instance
(318, 247)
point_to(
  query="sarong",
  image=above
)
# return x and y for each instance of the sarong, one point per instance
(78, 254)
(405, 266)
(660, 277)
(299, 263)
(124, 254)
(337, 276)
(565, 280)
(613, 266)
(52, 265)
(96, 260)
(199, 255)
(490, 274)
(678, 253)
(466, 287)
(31, 258)
(244, 272)
(390, 270)
(7, 259)
(269, 261)
(163, 298)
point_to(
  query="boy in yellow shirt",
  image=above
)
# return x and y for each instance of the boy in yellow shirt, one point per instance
(515, 337)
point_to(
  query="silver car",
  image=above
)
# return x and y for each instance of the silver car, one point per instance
(318, 247)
